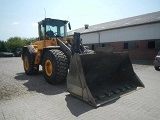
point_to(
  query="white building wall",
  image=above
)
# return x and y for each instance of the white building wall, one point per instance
(142, 32)
(90, 38)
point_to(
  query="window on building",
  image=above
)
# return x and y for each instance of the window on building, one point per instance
(93, 47)
(151, 44)
(103, 45)
(125, 46)
(131, 45)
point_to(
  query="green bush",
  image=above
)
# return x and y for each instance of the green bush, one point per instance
(13, 43)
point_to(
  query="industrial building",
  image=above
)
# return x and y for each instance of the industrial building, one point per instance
(138, 35)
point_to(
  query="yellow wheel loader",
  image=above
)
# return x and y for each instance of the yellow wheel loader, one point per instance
(95, 77)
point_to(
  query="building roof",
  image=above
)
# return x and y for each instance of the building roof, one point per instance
(126, 22)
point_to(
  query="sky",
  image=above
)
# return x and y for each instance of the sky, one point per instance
(20, 17)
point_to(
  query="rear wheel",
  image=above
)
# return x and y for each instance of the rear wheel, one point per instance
(55, 66)
(28, 62)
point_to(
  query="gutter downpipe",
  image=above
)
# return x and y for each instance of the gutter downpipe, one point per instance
(98, 39)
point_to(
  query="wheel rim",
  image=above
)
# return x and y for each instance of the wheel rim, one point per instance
(48, 67)
(26, 64)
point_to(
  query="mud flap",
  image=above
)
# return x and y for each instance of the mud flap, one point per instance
(102, 77)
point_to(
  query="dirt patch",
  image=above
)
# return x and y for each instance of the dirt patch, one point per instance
(8, 91)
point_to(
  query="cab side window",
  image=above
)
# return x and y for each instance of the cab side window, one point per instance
(41, 32)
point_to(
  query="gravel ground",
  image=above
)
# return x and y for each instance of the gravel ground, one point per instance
(14, 82)
(9, 87)
(25, 97)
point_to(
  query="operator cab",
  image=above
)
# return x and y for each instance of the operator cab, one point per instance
(49, 28)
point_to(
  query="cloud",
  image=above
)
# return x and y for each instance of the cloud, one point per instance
(34, 24)
(15, 23)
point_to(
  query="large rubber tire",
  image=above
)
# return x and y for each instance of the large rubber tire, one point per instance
(28, 63)
(55, 66)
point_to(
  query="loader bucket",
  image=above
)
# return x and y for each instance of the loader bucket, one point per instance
(102, 77)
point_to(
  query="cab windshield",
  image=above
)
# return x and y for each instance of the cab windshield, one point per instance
(55, 28)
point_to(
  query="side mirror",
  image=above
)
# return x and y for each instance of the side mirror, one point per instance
(69, 25)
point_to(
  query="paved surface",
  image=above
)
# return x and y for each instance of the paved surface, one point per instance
(30, 97)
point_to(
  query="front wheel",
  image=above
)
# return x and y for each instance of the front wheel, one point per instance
(29, 67)
(55, 66)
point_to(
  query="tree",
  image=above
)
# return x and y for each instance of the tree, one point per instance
(15, 42)
(3, 47)
(30, 40)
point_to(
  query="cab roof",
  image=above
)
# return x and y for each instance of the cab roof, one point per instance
(50, 19)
